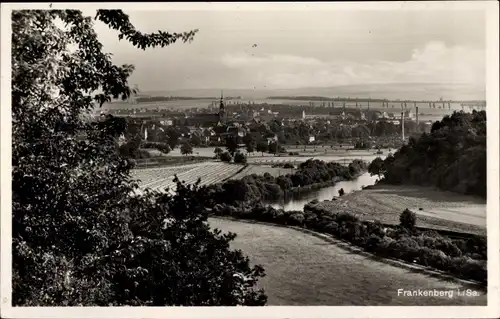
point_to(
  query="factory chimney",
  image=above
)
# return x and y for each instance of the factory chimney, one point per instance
(403, 126)
(416, 113)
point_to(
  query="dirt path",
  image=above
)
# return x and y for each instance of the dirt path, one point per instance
(434, 208)
(305, 270)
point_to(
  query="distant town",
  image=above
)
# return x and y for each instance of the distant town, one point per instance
(234, 116)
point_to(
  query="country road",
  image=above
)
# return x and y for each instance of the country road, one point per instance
(305, 270)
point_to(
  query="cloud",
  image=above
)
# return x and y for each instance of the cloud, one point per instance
(433, 63)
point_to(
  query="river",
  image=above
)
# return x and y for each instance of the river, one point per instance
(298, 201)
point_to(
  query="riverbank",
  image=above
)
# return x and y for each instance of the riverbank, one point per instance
(323, 192)
(434, 208)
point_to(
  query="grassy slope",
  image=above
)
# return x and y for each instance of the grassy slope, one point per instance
(305, 270)
(386, 202)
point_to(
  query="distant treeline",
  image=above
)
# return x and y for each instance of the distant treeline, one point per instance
(323, 98)
(354, 99)
(143, 99)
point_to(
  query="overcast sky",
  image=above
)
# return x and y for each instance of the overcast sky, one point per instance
(305, 48)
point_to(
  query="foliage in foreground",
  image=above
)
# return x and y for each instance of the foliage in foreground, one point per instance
(462, 258)
(81, 235)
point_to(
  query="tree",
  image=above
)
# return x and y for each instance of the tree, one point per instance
(376, 167)
(79, 234)
(240, 158)
(226, 157)
(273, 148)
(173, 138)
(163, 147)
(186, 148)
(250, 148)
(275, 126)
(341, 192)
(408, 219)
(218, 151)
(248, 139)
(231, 144)
(195, 140)
(262, 147)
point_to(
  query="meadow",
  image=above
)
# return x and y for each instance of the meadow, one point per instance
(434, 208)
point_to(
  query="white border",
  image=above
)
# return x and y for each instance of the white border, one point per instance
(491, 311)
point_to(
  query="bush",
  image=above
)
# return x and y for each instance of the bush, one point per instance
(372, 243)
(163, 147)
(296, 219)
(332, 228)
(466, 267)
(341, 192)
(288, 165)
(408, 219)
(226, 157)
(240, 158)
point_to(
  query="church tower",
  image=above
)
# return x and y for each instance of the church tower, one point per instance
(222, 109)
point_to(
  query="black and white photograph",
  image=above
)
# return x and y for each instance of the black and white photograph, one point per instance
(241, 156)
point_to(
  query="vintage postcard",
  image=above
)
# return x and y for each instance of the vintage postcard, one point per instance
(242, 160)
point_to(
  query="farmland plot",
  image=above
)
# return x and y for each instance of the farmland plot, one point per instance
(209, 172)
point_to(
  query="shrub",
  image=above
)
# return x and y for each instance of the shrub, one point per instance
(288, 165)
(218, 151)
(226, 157)
(408, 219)
(376, 228)
(372, 243)
(311, 219)
(240, 158)
(296, 219)
(433, 257)
(438, 242)
(466, 267)
(163, 147)
(346, 218)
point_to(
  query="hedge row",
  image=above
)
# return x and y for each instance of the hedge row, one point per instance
(463, 258)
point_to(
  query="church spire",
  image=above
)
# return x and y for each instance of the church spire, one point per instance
(222, 110)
